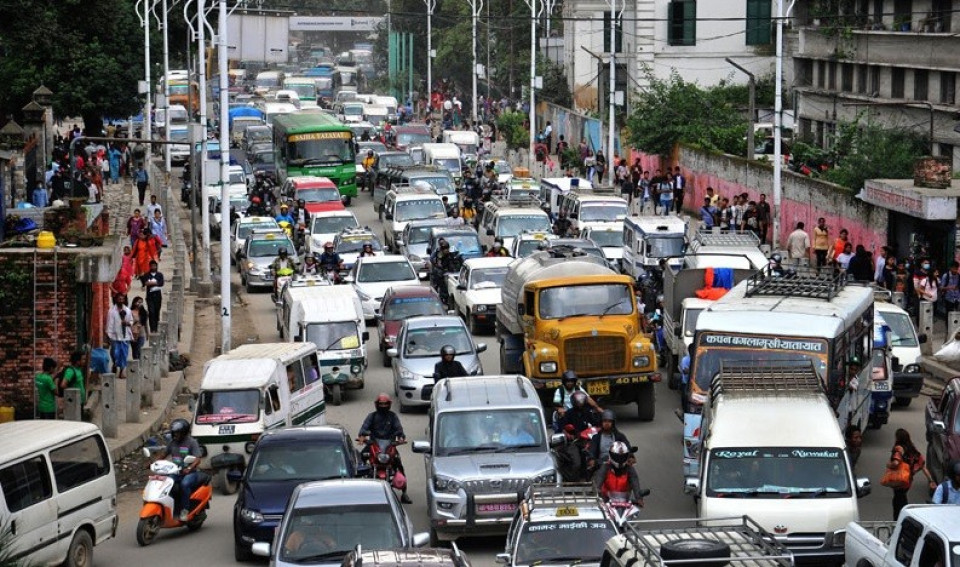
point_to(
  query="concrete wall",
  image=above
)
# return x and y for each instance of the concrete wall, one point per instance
(804, 199)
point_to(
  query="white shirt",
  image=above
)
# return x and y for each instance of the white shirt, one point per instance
(798, 243)
(879, 263)
(150, 208)
(115, 329)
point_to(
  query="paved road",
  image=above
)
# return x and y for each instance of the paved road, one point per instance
(659, 442)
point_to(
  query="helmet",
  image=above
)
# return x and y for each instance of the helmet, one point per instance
(283, 252)
(179, 426)
(608, 415)
(369, 153)
(328, 244)
(619, 454)
(383, 401)
(776, 257)
(284, 206)
(301, 202)
(255, 200)
(579, 399)
(498, 241)
(568, 376)
(448, 350)
(444, 245)
(309, 258)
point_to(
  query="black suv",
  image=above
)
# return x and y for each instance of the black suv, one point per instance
(281, 460)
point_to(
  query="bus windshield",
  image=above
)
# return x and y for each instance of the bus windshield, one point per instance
(776, 472)
(314, 149)
(585, 300)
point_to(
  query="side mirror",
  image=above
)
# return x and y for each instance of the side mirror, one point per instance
(863, 487)
(422, 447)
(366, 336)
(260, 549)
(503, 558)
(421, 539)
(393, 353)
(451, 311)
(691, 485)
(557, 439)
(234, 475)
(938, 427)
(922, 338)
(490, 232)
(481, 347)
(146, 452)
(399, 242)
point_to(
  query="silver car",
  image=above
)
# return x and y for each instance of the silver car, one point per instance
(418, 351)
(259, 252)
(414, 242)
(326, 520)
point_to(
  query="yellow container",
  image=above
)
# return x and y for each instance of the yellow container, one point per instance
(6, 414)
(46, 239)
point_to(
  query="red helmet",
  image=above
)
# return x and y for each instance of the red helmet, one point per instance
(255, 200)
(383, 401)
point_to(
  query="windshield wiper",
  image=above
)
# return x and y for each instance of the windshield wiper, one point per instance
(512, 448)
(480, 449)
(238, 418)
(318, 557)
(609, 307)
(572, 559)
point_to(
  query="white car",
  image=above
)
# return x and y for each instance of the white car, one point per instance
(244, 227)
(326, 225)
(609, 237)
(475, 290)
(372, 276)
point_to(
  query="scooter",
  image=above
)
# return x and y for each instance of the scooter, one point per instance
(158, 502)
(381, 455)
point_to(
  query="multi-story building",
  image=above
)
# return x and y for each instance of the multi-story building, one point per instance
(895, 60)
(690, 37)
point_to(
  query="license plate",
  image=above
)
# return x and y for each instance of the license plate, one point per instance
(881, 386)
(598, 388)
(497, 508)
(226, 429)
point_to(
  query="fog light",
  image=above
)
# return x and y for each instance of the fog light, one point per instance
(445, 505)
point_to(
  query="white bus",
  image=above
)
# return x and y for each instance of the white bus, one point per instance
(766, 320)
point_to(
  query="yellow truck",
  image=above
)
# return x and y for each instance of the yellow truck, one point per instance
(563, 309)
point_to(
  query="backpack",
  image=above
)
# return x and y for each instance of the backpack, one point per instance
(58, 380)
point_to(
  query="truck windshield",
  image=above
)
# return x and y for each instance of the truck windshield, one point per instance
(603, 213)
(902, 332)
(228, 406)
(557, 542)
(513, 430)
(585, 300)
(778, 472)
(333, 336)
(421, 209)
(665, 247)
(288, 462)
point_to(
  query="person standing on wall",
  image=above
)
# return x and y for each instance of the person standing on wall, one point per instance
(153, 281)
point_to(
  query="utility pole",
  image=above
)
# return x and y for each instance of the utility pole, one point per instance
(225, 305)
(612, 94)
(204, 192)
(166, 90)
(534, 5)
(194, 138)
(752, 89)
(431, 6)
(778, 123)
(475, 7)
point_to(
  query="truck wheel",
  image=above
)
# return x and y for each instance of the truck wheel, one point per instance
(227, 486)
(673, 376)
(646, 402)
(902, 402)
(696, 549)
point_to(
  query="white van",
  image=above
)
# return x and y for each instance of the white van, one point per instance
(905, 348)
(552, 190)
(445, 156)
(467, 140)
(725, 249)
(273, 109)
(390, 103)
(253, 388)
(331, 317)
(375, 114)
(586, 207)
(59, 491)
(267, 81)
(647, 240)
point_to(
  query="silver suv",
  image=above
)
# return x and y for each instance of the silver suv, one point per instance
(488, 444)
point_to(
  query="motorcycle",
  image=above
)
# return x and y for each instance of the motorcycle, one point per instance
(571, 455)
(332, 275)
(282, 278)
(620, 509)
(381, 456)
(159, 501)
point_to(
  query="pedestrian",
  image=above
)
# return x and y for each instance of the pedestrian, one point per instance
(854, 444)
(548, 136)
(751, 219)
(624, 180)
(879, 263)
(153, 282)
(39, 198)
(708, 214)
(904, 451)
(115, 160)
(798, 244)
(948, 492)
(153, 206)
(713, 196)
(679, 186)
(821, 242)
(764, 215)
(888, 276)
(860, 267)
(842, 261)
(139, 329)
(738, 211)
(73, 377)
(143, 181)
(925, 282)
(120, 333)
(665, 194)
(950, 288)
(146, 249)
(643, 190)
(562, 153)
(158, 226)
(104, 169)
(840, 244)
(600, 165)
(726, 214)
(121, 284)
(46, 390)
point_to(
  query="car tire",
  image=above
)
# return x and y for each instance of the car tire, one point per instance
(385, 358)
(80, 553)
(646, 401)
(697, 549)
(902, 402)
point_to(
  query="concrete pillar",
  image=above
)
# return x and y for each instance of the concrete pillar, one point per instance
(899, 299)
(926, 323)
(134, 379)
(108, 405)
(953, 325)
(163, 357)
(72, 408)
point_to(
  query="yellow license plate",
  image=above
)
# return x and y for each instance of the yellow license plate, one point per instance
(567, 511)
(598, 388)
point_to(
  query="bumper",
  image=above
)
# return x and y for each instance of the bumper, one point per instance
(370, 307)
(259, 280)
(415, 392)
(247, 533)
(812, 554)
(618, 388)
(907, 384)
(484, 319)
(458, 514)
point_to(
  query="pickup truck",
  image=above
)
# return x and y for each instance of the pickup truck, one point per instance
(474, 291)
(943, 429)
(924, 536)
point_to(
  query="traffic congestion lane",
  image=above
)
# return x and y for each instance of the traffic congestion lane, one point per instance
(659, 459)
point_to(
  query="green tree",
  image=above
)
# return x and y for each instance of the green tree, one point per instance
(511, 125)
(556, 89)
(868, 151)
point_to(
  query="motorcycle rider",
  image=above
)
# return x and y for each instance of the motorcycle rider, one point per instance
(256, 208)
(580, 415)
(561, 227)
(181, 445)
(617, 475)
(447, 367)
(367, 250)
(282, 266)
(310, 266)
(300, 214)
(498, 250)
(454, 219)
(285, 215)
(563, 397)
(330, 260)
(368, 168)
(602, 441)
(444, 262)
(383, 425)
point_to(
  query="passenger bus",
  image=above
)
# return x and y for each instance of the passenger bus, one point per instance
(769, 320)
(315, 144)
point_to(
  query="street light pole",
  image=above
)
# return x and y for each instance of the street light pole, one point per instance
(147, 121)
(166, 90)
(475, 7)
(778, 123)
(612, 95)
(431, 6)
(534, 14)
(225, 303)
(204, 192)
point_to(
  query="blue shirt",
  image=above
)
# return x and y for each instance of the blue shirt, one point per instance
(40, 197)
(142, 176)
(953, 495)
(285, 218)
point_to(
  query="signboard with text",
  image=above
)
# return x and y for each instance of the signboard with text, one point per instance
(334, 23)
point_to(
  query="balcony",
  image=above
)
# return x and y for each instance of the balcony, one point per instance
(899, 49)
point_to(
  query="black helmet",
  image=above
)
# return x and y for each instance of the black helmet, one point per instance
(283, 252)
(776, 257)
(448, 350)
(579, 399)
(370, 153)
(608, 415)
(619, 454)
(179, 426)
(954, 470)
(444, 245)
(568, 376)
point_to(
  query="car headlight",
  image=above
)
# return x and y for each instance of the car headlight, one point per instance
(480, 308)
(546, 478)
(446, 484)
(548, 367)
(252, 516)
(251, 266)
(355, 369)
(407, 375)
(641, 361)
(391, 339)
(911, 368)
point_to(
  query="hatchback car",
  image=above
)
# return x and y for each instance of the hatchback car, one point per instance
(282, 459)
(260, 250)
(350, 242)
(418, 351)
(318, 193)
(414, 241)
(326, 520)
(242, 229)
(373, 276)
(399, 304)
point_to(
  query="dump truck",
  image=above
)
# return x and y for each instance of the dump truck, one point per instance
(563, 309)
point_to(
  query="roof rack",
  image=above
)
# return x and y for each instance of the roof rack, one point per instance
(546, 495)
(767, 377)
(502, 201)
(800, 282)
(727, 238)
(565, 251)
(596, 190)
(400, 188)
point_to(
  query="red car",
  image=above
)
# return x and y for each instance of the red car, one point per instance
(943, 429)
(401, 303)
(411, 135)
(318, 193)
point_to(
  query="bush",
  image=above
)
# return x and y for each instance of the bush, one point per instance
(510, 125)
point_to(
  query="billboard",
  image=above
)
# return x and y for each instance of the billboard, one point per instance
(334, 23)
(256, 37)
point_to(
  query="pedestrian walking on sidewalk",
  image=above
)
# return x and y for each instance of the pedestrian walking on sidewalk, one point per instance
(158, 226)
(141, 322)
(153, 282)
(120, 333)
(146, 249)
(950, 288)
(679, 186)
(904, 451)
(143, 181)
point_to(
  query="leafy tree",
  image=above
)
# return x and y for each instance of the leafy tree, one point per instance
(556, 89)
(511, 125)
(869, 151)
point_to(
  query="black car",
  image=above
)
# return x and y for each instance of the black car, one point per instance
(282, 460)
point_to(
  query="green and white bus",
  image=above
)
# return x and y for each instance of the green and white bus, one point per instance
(315, 144)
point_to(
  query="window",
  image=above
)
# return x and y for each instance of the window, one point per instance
(832, 76)
(618, 34)
(946, 150)
(25, 484)
(79, 462)
(758, 22)
(910, 531)
(295, 376)
(273, 400)
(862, 79)
(846, 77)
(874, 89)
(948, 87)
(932, 552)
(896, 82)
(682, 22)
(821, 74)
(920, 81)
